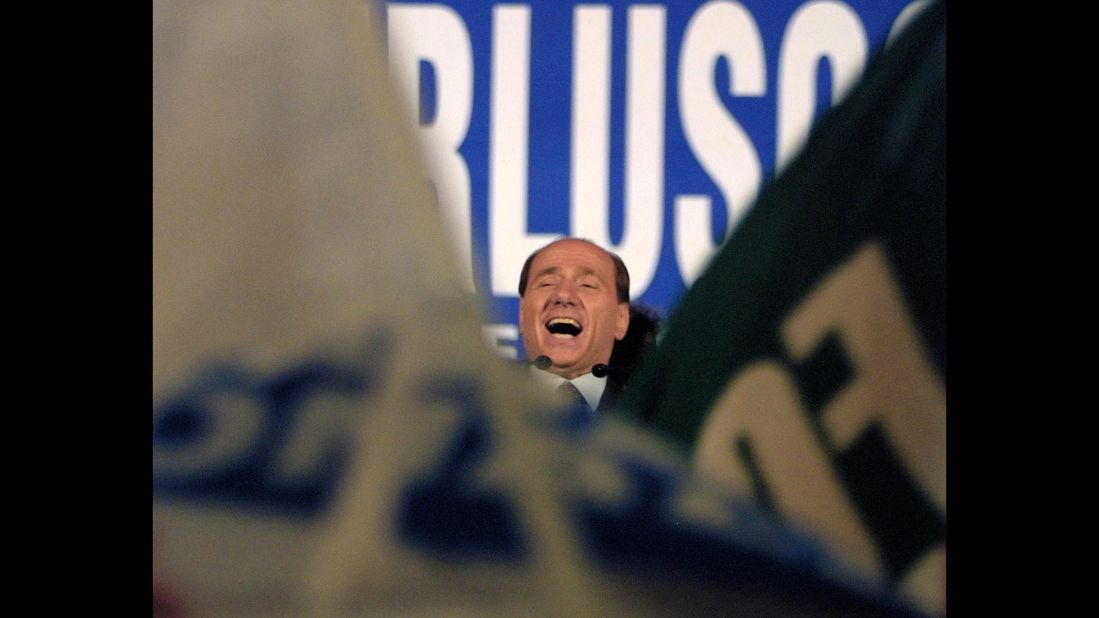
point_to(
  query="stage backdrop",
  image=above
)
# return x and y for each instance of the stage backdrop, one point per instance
(647, 128)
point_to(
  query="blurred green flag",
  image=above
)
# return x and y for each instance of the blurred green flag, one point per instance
(806, 367)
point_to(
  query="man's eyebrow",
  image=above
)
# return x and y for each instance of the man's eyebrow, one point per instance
(556, 270)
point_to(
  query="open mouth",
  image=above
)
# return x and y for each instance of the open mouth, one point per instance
(563, 327)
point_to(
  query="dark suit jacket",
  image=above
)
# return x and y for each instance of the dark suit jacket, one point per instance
(612, 394)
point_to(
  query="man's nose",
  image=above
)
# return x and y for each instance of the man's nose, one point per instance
(564, 294)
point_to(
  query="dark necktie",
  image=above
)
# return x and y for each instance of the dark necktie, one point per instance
(580, 412)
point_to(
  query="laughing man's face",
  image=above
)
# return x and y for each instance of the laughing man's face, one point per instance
(570, 310)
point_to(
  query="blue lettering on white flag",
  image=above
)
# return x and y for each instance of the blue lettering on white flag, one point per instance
(445, 512)
(271, 442)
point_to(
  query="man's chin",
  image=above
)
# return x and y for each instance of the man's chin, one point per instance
(563, 354)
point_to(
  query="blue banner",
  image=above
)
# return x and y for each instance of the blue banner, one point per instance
(647, 128)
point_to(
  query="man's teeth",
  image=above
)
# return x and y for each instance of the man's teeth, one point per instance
(563, 327)
(563, 321)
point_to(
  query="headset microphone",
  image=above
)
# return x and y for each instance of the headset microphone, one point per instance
(600, 370)
(543, 362)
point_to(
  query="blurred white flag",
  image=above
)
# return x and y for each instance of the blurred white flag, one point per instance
(303, 297)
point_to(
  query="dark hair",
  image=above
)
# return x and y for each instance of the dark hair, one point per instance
(629, 352)
(621, 275)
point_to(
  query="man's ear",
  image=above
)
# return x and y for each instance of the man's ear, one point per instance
(623, 323)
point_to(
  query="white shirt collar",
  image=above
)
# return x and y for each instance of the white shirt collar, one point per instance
(589, 386)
